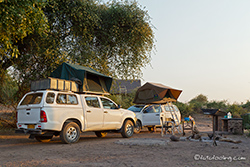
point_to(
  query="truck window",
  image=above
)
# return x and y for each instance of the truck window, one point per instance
(66, 99)
(108, 104)
(92, 102)
(175, 108)
(149, 109)
(72, 99)
(136, 108)
(157, 108)
(167, 109)
(34, 98)
(50, 98)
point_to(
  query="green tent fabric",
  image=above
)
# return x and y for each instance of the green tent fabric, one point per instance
(151, 93)
(90, 80)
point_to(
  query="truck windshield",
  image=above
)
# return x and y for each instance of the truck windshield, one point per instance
(34, 98)
(135, 108)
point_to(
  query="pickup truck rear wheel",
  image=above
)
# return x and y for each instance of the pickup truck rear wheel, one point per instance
(101, 133)
(70, 133)
(43, 139)
(127, 129)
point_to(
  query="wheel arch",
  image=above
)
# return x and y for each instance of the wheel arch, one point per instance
(128, 119)
(73, 120)
(140, 122)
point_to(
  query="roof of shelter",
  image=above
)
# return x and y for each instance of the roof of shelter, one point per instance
(124, 86)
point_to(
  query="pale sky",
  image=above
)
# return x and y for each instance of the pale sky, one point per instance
(203, 47)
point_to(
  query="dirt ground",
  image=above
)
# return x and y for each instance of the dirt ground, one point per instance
(144, 149)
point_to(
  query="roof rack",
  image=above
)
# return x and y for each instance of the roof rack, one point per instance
(60, 85)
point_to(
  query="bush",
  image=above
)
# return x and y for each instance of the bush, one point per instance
(186, 109)
(236, 110)
(198, 103)
(217, 105)
(124, 100)
(8, 90)
(7, 120)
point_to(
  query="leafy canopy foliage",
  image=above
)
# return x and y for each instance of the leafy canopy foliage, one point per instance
(114, 38)
(19, 18)
(8, 90)
(123, 40)
(199, 102)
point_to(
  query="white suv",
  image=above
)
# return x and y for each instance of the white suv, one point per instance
(46, 113)
(150, 116)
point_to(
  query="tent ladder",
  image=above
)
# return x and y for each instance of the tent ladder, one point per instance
(176, 121)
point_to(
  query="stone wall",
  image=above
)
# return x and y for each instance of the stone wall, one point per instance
(235, 126)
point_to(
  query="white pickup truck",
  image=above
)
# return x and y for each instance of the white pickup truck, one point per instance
(46, 113)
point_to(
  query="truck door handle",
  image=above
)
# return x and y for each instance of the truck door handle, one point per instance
(105, 111)
(88, 111)
(157, 115)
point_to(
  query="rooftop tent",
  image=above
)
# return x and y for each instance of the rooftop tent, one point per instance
(155, 93)
(87, 78)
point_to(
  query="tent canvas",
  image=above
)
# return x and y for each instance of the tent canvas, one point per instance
(87, 78)
(151, 93)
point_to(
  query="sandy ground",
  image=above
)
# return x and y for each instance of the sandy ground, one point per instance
(144, 149)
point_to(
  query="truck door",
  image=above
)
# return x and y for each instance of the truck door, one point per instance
(94, 113)
(29, 108)
(151, 115)
(112, 115)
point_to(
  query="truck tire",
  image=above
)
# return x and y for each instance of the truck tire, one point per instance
(101, 133)
(70, 133)
(43, 139)
(137, 128)
(127, 129)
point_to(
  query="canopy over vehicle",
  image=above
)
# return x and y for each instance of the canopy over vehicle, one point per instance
(155, 93)
(87, 78)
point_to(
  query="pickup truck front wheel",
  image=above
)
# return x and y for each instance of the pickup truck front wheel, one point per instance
(70, 133)
(127, 129)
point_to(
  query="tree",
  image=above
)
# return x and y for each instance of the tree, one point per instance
(217, 104)
(186, 109)
(17, 20)
(123, 40)
(199, 102)
(246, 106)
(8, 90)
(236, 110)
(115, 39)
(124, 100)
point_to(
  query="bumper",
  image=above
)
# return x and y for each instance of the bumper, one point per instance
(30, 131)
